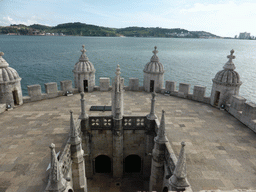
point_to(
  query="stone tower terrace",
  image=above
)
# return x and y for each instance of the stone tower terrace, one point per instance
(221, 151)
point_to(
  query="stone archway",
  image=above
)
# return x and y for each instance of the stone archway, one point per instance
(132, 164)
(102, 164)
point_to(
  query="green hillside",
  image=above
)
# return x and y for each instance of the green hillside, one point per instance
(82, 29)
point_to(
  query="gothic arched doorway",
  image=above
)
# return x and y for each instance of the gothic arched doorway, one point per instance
(132, 164)
(102, 164)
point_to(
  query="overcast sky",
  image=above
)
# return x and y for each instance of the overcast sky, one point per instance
(220, 17)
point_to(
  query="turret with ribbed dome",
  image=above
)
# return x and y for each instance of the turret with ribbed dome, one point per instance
(225, 83)
(84, 73)
(153, 74)
(10, 88)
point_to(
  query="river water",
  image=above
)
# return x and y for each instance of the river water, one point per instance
(43, 59)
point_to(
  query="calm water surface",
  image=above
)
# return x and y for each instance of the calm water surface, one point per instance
(43, 59)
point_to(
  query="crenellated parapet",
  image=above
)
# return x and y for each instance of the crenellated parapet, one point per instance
(243, 111)
(184, 91)
(51, 91)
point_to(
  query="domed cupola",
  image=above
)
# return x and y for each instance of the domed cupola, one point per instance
(228, 76)
(225, 83)
(154, 66)
(10, 89)
(84, 73)
(153, 74)
(7, 74)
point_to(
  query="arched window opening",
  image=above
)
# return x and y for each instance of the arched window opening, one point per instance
(102, 164)
(165, 189)
(132, 164)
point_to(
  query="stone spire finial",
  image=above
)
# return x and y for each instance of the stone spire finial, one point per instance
(83, 113)
(83, 57)
(117, 97)
(230, 65)
(118, 70)
(155, 58)
(118, 79)
(74, 135)
(82, 95)
(152, 115)
(178, 179)
(161, 136)
(155, 51)
(3, 63)
(57, 182)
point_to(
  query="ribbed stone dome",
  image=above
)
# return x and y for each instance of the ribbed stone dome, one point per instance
(228, 76)
(83, 65)
(154, 66)
(7, 74)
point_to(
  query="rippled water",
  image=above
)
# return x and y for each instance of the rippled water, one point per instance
(43, 59)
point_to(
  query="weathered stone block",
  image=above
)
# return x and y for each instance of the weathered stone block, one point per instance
(96, 88)
(134, 84)
(141, 88)
(199, 93)
(170, 86)
(184, 88)
(207, 100)
(181, 94)
(190, 96)
(249, 110)
(34, 91)
(104, 84)
(237, 102)
(2, 108)
(26, 99)
(66, 85)
(51, 89)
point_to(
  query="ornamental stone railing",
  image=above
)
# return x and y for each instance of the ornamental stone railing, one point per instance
(134, 122)
(129, 122)
(100, 122)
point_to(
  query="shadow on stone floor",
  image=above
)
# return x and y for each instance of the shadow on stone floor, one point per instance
(105, 183)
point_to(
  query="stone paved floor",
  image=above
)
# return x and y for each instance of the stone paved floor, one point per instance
(221, 152)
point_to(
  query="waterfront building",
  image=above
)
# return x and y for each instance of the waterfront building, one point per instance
(244, 35)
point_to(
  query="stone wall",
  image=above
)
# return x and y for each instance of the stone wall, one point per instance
(134, 143)
(184, 91)
(101, 143)
(51, 91)
(243, 111)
